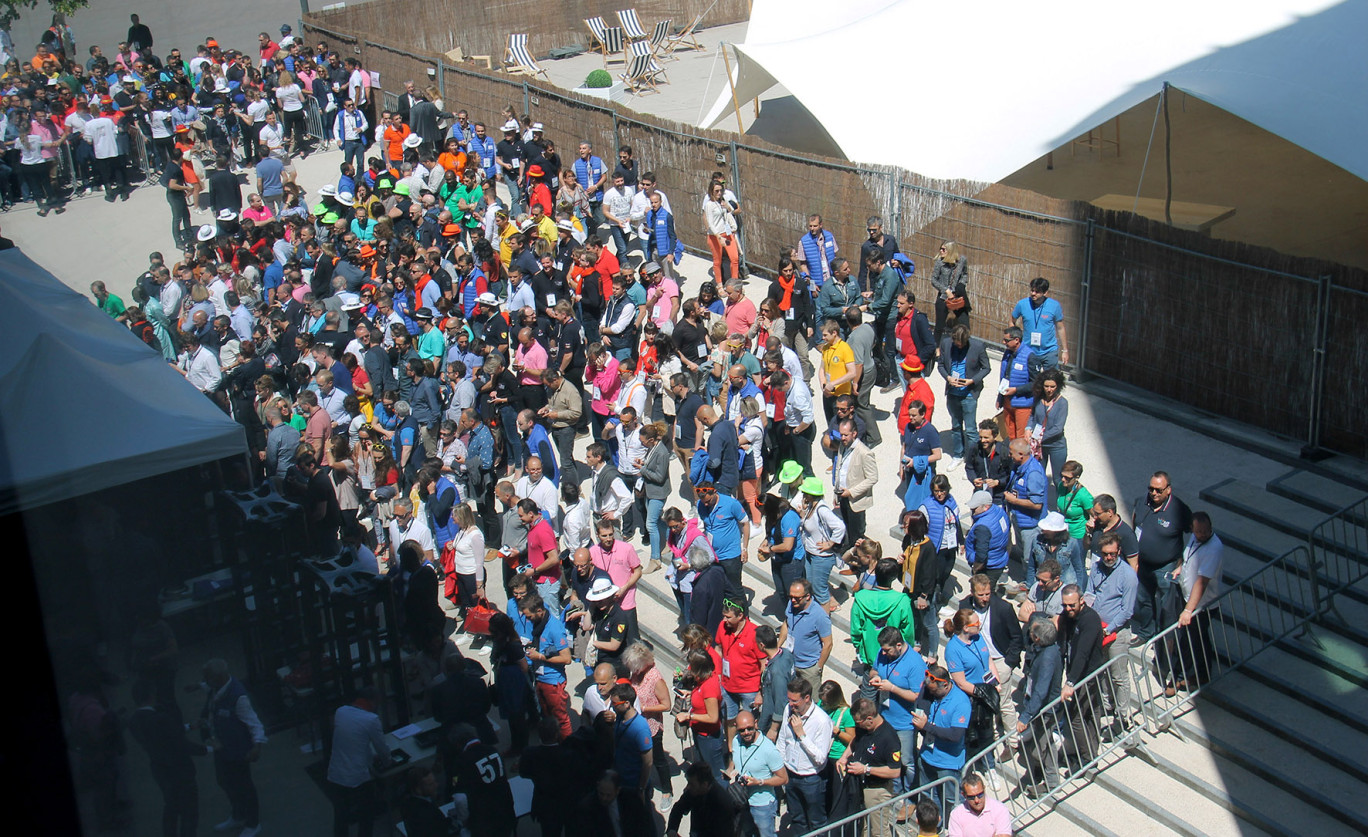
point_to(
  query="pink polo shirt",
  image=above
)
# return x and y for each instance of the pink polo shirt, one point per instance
(994, 820)
(740, 317)
(669, 291)
(619, 564)
(532, 358)
(603, 387)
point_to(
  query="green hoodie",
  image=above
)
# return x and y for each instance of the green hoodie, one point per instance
(875, 610)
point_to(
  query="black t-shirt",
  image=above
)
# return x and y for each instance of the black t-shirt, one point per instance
(628, 172)
(506, 386)
(689, 338)
(567, 340)
(544, 287)
(481, 775)
(613, 626)
(880, 748)
(510, 152)
(1161, 532)
(1129, 545)
(685, 414)
(495, 332)
(581, 584)
(320, 490)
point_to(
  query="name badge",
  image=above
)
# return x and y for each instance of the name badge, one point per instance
(726, 669)
(488, 161)
(1035, 338)
(897, 345)
(679, 431)
(550, 300)
(515, 163)
(598, 396)
(769, 411)
(702, 350)
(788, 315)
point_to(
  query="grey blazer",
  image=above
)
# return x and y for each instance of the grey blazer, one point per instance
(976, 366)
(655, 472)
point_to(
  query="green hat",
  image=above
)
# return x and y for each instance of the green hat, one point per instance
(331, 218)
(320, 209)
(384, 183)
(813, 486)
(790, 471)
(402, 188)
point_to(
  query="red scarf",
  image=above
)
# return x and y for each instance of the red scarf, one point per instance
(786, 302)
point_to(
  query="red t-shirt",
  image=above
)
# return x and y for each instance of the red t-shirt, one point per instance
(540, 540)
(742, 659)
(710, 688)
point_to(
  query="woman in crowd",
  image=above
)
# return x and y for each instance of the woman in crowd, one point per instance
(679, 535)
(921, 569)
(943, 528)
(823, 533)
(1075, 502)
(512, 684)
(655, 476)
(653, 693)
(465, 567)
(1049, 414)
(750, 435)
(704, 715)
(721, 222)
(950, 276)
(842, 798)
(971, 670)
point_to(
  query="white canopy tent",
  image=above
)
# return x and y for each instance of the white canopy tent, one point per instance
(85, 405)
(979, 88)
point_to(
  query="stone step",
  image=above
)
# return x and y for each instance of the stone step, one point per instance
(1097, 811)
(1065, 821)
(1294, 518)
(1243, 704)
(1170, 802)
(1254, 537)
(1319, 492)
(1305, 761)
(1294, 593)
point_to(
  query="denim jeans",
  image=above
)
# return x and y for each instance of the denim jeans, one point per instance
(1026, 539)
(806, 802)
(764, 817)
(550, 593)
(515, 201)
(931, 773)
(354, 149)
(785, 573)
(512, 438)
(653, 527)
(1048, 359)
(619, 241)
(733, 702)
(682, 599)
(709, 749)
(819, 573)
(908, 780)
(963, 423)
(1055, 455)
(1149, 599)
(1077, 567)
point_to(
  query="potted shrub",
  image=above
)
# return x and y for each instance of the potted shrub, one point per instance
(599, 84)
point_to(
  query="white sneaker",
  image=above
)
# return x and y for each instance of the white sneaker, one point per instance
(955, 463)
(229, 824)
(256, 829)
(992, 783)
(664, 803)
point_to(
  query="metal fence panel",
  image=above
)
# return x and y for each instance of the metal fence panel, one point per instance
(945, 790)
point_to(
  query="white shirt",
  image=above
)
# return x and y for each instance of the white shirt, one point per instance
(170, 296)
(806, 756)
(720, 221)
(161, 121)
(1202, 559)
(798, 409)
(333, 403)
(543, 493)
(417, 530)
(217, 290)
(357, 88)
(630, 449)
(632, 394)
(641, 207)
(619, 498)
(618, 203)
(357, 738)
(201, 369)
(273, 136)
(595, 703)
(469, 545)
(102, 136)
(258, 110)
(577, 525)
(290, 97)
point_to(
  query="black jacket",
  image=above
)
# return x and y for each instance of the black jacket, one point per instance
(998, 466)
(712, 814)
(804, 310)
(1080, 638)
(1004, 628)
(705, 603)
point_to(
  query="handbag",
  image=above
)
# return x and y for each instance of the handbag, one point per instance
(477, 618)
(955, 303)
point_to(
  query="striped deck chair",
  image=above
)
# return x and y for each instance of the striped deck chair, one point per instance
(687, 39)
(640, 78)
(596, 36)
(631, 25)
(519, 61)
(659, 37)
(612, 46)
(641, 48)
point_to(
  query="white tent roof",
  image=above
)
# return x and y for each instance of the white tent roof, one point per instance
(84, 404)
(976, 89)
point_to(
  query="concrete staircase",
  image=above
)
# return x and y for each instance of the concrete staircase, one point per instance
(1279, 746)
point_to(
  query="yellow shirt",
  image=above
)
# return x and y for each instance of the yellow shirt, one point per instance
(834, 360)
(546, 228)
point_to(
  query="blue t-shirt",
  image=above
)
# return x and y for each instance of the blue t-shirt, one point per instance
(760, 760)
(521, 623)
(806, 630)
(723, 525)
(959, 365)
(905, 672)
(971, 658)
(791, 526)
(403, 437)
(1038, 323)
(920, 441)
(633, 738)
(269, 170)
(553, 641)
(950, 711)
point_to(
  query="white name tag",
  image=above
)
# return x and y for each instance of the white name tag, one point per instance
(679, 431)
(598, 396)
(515, 163)
(788, 315)
(769, 411)
(726, 669)
(702, 350)
(550, 299)
(1035, 338)
(897, 345)
(488, 161)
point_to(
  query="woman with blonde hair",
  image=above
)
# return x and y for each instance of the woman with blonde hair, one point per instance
(464, 564)
(949, 276)
(290, 97)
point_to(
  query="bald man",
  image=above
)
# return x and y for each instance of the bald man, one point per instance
(759, 767)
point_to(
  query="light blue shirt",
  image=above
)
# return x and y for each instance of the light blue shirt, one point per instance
(760, 760)
(1112, 593)
(806, 630)
(1038, 323)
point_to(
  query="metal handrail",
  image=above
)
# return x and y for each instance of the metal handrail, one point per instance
(856, 822)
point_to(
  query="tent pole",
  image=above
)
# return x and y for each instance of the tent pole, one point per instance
(736, 106)
(1168, 161)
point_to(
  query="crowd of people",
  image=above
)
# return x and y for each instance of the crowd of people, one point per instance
(417, 351)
